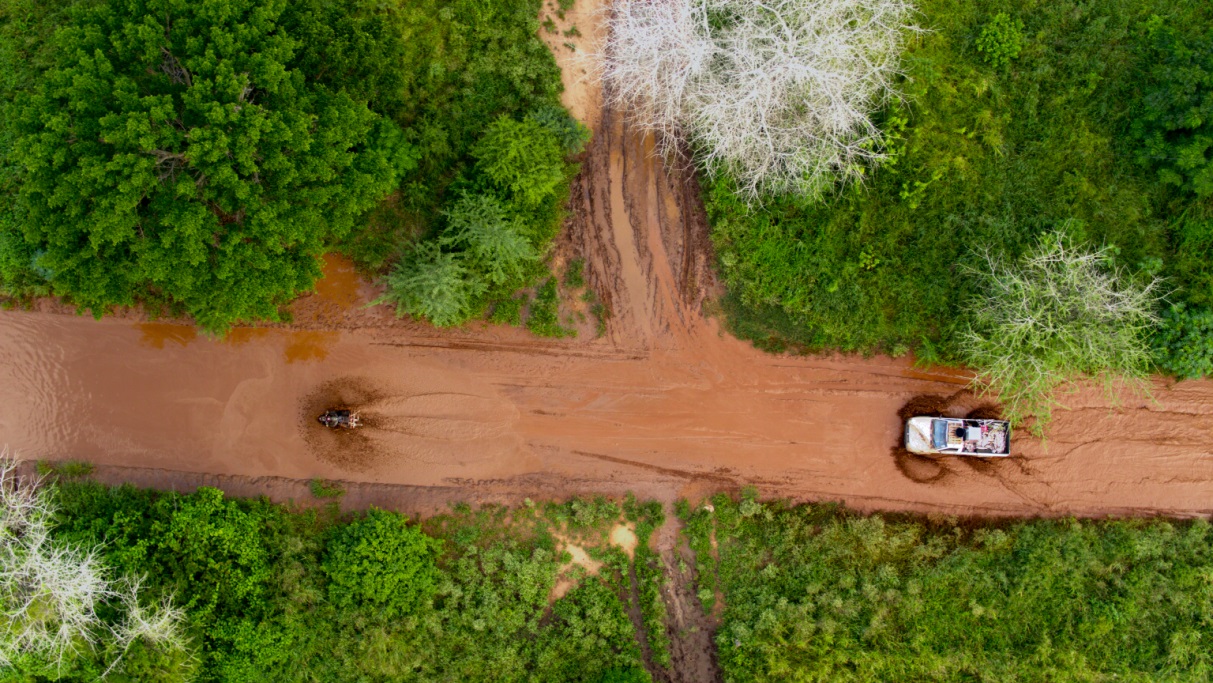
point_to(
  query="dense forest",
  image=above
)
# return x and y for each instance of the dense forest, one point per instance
(197, 158)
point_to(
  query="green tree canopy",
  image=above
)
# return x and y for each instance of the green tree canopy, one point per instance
(481, 226)
(524, 157)
(1175, 125)
(175, 154)
(382, 561)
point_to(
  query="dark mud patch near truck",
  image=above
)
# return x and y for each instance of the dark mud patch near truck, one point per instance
(936, 470)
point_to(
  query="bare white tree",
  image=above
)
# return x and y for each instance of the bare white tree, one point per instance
(50, 591)
(778, 93)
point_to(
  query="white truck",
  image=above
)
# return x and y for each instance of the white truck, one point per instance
(958, 436)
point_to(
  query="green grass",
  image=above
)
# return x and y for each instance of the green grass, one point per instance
(985, 157)
(574, 274)
(815, 593)
(323, 488)
(67, 469)
(543, 317)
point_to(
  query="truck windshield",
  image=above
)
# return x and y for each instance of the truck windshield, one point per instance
(939, 433)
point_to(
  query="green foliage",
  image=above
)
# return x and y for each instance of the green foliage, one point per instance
(1001, 40)
(275, 595)
(322, 488)
(1175, 123)
(203, 172)
(382, 562)
(68, 469)
(221, 558)
(812, 594)
(650, 574)
(498, 228)
(433, 284)
(493, 241)
(574, 274)
(983, 163)
(173, 153)
(1183, 345)
(524, 157)
(630, 675)
(570, 133)
(544, 316)
(508, 311)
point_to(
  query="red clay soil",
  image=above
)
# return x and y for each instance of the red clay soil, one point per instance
(664, 404)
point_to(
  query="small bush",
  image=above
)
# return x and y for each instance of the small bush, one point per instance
(544, 318)
(570, 132)
(574, 274)
(480, 226)
(508, 311)
(1001, 40)
(381, 562)
(432, 284)
(523, 157)
(1183, 345)
(322, 488)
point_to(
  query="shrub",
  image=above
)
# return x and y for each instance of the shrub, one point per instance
(480, 226)
(1001, 40)
(571, 134)
(1060, 314)
(778, 95)
(524, 157)
(383, 563)
(432, 284)
(544, 315)
(322, 488)
(1183, 344)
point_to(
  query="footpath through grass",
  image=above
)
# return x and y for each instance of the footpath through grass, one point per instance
(814, 593)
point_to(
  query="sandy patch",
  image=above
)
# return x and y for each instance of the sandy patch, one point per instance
(624, 537)
(568, 577)
(583, 28)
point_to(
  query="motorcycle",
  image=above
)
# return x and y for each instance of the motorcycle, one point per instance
(338, 418)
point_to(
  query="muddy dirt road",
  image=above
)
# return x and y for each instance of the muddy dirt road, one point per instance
(664, 404)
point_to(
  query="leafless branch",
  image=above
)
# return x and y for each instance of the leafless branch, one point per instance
(778, 93)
